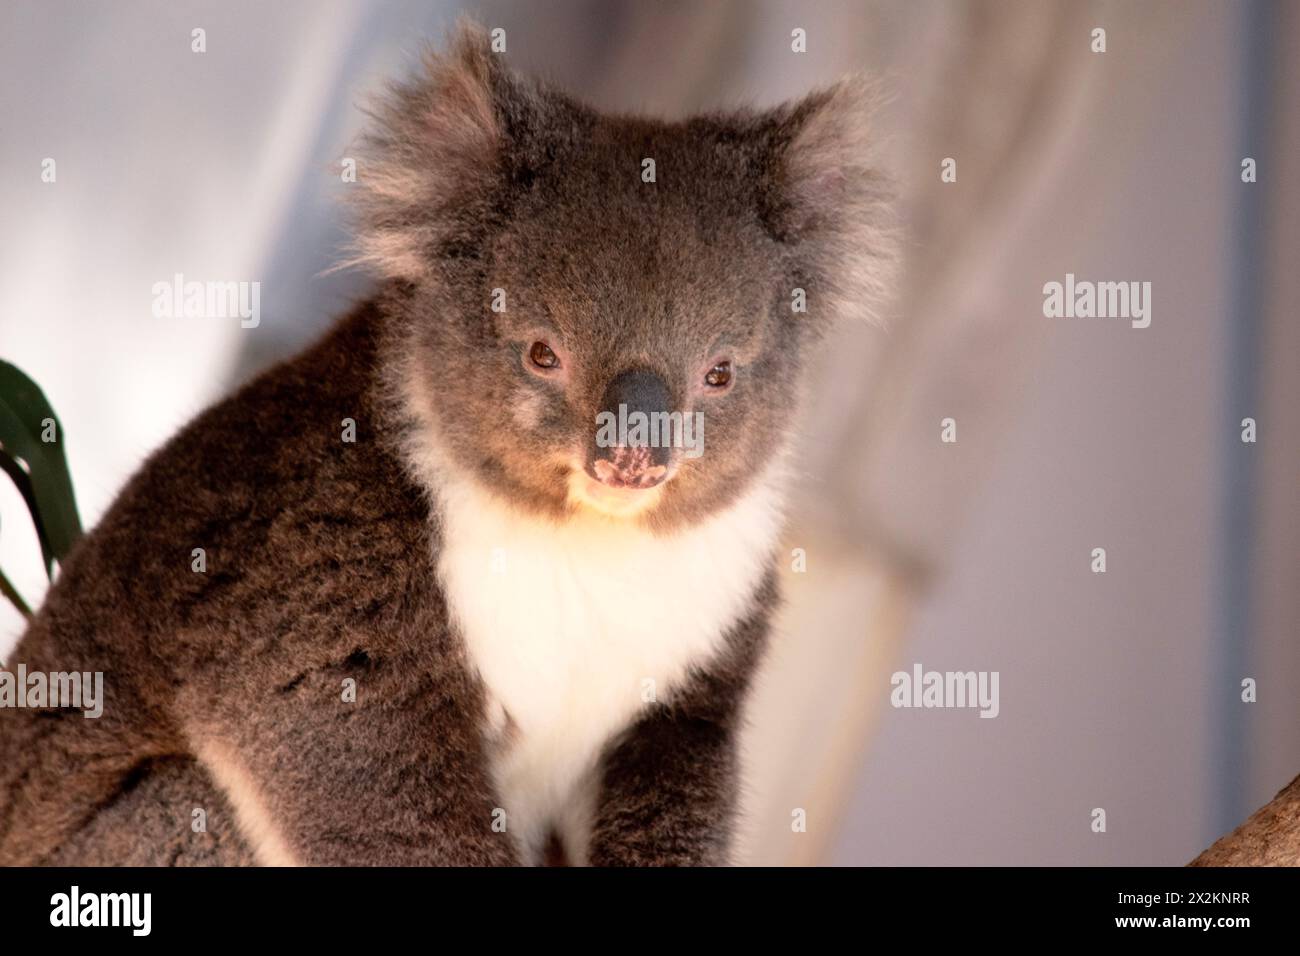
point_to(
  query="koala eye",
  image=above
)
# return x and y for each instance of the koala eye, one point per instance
(719, 376)
(542, 356)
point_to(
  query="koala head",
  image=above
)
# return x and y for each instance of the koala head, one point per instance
(610, 314)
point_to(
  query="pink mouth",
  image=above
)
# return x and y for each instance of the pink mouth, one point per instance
(624, 501)
(610, 493)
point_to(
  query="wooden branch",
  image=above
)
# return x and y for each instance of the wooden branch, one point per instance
(1271, 837)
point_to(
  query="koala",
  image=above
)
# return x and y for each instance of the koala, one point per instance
(471, 632)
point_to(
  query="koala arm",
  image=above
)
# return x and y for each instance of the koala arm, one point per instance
(669, 784)
(395, 778)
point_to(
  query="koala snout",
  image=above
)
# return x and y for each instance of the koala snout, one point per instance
(629, 468)
(630, 447)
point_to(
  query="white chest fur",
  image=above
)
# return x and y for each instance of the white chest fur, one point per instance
(574, 628)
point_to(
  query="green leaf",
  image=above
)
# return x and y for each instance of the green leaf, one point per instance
(9, 591)
(37, 467)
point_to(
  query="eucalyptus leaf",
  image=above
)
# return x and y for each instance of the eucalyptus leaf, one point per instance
(37, 466)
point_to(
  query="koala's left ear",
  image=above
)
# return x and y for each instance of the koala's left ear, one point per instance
(830, 203)
(435, 157)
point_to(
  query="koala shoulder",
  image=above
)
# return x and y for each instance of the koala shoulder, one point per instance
(260, 495)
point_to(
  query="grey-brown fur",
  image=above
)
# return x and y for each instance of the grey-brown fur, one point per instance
(322, 555)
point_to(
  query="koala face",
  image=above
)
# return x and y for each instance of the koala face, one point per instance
(610, 314)
(624, 302)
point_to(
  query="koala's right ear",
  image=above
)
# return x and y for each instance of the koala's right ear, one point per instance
(830, 203)
(432, 159)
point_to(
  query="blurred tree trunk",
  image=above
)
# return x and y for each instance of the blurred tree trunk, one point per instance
(1271, 837)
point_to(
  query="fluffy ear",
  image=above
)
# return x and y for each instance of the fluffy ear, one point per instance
(430, 161)
(833, 206)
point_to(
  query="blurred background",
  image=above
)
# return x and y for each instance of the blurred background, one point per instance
(1119, 690)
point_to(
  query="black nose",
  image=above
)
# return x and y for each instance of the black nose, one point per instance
(631, 444)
